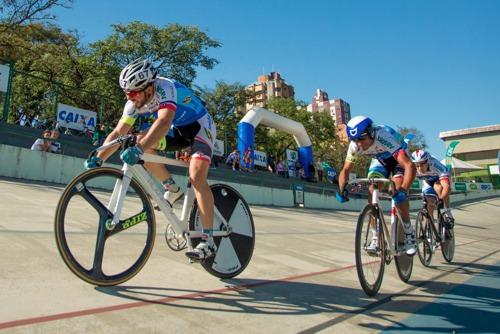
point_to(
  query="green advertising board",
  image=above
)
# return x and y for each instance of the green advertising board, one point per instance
(460, 186)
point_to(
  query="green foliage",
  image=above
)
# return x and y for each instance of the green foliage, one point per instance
(51, 64)
(177, 50)
(223, 103)
(418, 141)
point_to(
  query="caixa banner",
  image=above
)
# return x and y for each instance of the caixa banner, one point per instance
(75, 118)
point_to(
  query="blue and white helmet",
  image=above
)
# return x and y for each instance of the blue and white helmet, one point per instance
(420, 156)
(358, 126)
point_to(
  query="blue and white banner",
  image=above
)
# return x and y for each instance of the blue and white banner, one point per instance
(260, 158)
(75, 118)
(291, 157)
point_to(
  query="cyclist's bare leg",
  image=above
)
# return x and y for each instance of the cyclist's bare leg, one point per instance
(198, 172)
(431, 205)
(404, 208)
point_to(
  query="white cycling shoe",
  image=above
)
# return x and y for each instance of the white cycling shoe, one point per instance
(202, 251)
(373, 246)
(410, 242)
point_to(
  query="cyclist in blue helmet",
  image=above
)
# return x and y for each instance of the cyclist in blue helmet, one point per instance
(390, 158)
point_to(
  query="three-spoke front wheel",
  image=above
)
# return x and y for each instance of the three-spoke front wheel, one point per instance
(95, 246)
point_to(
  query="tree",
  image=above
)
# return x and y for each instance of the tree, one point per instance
(51, 64)
(17, 12)
(418, 140)
(222, 102)
(176, 50)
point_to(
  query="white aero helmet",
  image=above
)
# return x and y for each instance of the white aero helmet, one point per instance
(420, 156)
(137, 75)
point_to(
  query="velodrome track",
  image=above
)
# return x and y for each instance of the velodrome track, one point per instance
(301, 279)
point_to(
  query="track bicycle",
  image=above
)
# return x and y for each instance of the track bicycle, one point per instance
(432, 234)
(371, 261)
(105, 223)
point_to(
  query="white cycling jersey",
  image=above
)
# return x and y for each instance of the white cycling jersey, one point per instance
(436, 171)
(387, 143)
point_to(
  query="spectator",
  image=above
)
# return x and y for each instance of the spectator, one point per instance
(42, 144)
(99, 135)
(319, 169)
(87, 133)
(24, 120)
(55, 146)
(298, 169)
(233, 160)
(280, 168)
(312, 171)
(247, 159)
(271, 164)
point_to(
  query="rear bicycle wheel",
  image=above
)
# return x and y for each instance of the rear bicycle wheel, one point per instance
(447, 241)
(235, 250)
(369, 264)
(424, 238)
(93, 248)
(404, 262)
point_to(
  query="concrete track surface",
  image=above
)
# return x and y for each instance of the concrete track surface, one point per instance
(302, 279)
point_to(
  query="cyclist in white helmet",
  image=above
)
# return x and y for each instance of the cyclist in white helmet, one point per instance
(391, 157)
(435, 179)
(167, 113)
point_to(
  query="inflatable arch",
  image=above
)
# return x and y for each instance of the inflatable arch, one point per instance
(256, 116)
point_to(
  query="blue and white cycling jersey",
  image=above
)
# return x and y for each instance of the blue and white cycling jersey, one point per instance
(436, 171)
(387, 144)
(168, 94)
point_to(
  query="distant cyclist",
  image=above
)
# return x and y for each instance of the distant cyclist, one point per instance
(167, 114)
(388, 147)
(436, 181)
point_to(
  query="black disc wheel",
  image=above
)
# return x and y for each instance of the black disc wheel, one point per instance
(95, 246)
(370, 262)
(235, 250)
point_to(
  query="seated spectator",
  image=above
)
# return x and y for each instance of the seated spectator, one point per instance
(233, 160)
(42, 144)
(55, 146)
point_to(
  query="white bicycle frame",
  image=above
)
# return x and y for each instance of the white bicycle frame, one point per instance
(390, 238)
(146, 180)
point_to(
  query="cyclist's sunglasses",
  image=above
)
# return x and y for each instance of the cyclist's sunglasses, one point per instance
(133, 93)
(361, 138)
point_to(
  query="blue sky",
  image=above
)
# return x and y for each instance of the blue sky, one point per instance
(433, 65)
